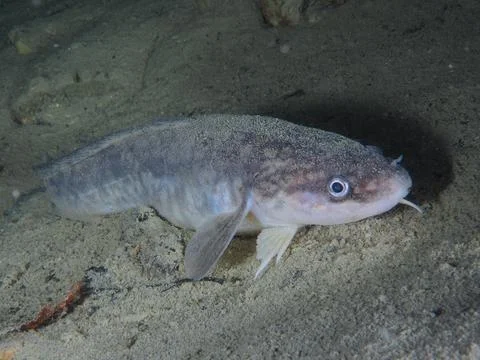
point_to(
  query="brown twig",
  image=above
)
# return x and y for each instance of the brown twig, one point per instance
(49, 314)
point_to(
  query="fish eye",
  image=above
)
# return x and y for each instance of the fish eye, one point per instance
(338, 187)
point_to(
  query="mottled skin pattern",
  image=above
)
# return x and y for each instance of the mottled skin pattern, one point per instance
(193, 170)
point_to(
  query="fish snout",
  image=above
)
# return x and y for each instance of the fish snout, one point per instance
(403, 183)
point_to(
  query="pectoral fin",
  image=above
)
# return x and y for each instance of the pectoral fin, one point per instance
(211, 240)
(273, 242)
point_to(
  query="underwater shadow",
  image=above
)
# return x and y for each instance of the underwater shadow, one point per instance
(425, 154)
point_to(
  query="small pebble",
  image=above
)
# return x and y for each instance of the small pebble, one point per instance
(16, 194)
(285, 48)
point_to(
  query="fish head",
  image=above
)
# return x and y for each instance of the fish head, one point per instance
(351, 183)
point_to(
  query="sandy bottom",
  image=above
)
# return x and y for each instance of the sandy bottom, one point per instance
(402, 75)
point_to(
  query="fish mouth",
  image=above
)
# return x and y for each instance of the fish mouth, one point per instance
(411, 204)
(403, 180)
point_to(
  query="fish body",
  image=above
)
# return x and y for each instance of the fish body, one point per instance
(224, 174)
